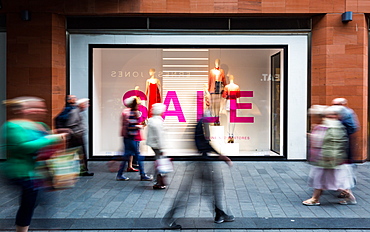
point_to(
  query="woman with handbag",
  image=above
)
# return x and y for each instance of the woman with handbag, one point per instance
(155, 140)
(25, 136)
(328, 143)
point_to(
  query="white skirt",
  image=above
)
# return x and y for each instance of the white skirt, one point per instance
(341, 177)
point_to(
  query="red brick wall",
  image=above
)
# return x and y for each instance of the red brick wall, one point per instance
(36, 58)
(58, 63)
(339, 67)
(94, 7)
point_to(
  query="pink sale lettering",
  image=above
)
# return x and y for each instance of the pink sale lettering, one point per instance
(177, 112)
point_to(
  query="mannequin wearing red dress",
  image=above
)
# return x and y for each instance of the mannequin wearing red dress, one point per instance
(152, 91)
(231, 91)
(216, 83)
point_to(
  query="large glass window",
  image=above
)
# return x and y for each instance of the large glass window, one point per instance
(252, 120)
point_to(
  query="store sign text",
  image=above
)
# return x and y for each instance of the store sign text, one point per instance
(142, 74)
(177, 112)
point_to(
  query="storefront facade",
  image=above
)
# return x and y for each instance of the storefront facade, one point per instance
(281, 70)
(182, 64)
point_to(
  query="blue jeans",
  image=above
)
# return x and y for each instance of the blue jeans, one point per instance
(131, 149)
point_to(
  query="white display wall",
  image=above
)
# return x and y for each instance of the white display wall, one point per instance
(248, 65)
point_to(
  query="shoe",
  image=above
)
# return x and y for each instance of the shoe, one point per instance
(146, 178)
(219, 220)
(86, 173)
(157, 186)
(221, 216)
(311, 202)
(224, 218)
(132, 170)
(174, 226)
(348, 201)
(122, 178)
(229, 218)
(171, 225)
(343, 194)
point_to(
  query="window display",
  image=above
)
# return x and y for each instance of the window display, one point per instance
(152, 90)
(192, 83)
(231, 91)
(216, 83)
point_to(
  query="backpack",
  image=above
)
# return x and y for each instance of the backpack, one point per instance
(62, 118)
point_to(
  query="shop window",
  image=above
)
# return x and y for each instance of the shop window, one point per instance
(244, 122)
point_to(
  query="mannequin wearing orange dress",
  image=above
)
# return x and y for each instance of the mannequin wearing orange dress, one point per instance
(216, 83)
(152, 91)
(231, 91)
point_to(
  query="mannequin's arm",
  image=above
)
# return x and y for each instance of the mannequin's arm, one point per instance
(159, 84)
(147, 88)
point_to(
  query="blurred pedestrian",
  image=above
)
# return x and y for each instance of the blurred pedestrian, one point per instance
(25, 136)
(76, 123)
(62, 118)
(350, 122)
(155, 140)
(206, 171)
(328, 141)
(130, 131)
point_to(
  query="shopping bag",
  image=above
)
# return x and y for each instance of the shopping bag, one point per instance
(57, 167)
(164, 165)
(64, 168)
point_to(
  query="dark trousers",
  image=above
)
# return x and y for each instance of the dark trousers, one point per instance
(28, 199)
(75, 141)
(209, 177)
(351, 150)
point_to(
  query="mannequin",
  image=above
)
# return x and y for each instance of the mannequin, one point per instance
(152, 90)
(216, 83)
(231, 91)
(231, 87)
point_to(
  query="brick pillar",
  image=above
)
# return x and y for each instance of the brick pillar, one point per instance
(339, 67)
(36, 62)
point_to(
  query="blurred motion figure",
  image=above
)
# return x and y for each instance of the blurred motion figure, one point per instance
(155, 140)
(208, 173)
(328, 143)
(24, 137)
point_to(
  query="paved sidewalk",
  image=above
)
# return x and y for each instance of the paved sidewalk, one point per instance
(262, 196)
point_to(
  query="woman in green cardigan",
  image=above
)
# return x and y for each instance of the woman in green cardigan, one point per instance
(24, 136)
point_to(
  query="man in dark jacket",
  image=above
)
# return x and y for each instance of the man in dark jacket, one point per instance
(62, 118)
(78, 130)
